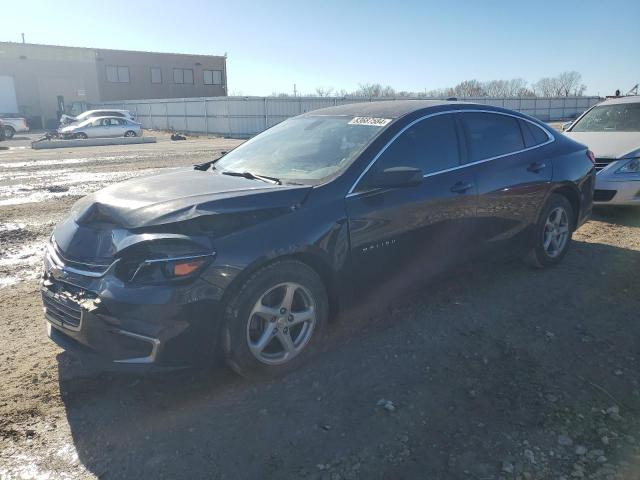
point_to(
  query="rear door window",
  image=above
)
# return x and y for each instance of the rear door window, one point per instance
(430, 145)
(491, 135)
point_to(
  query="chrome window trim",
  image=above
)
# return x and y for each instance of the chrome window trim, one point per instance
(550, 139)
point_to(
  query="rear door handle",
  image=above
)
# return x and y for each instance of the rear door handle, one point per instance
(461, 187)
(536, 167)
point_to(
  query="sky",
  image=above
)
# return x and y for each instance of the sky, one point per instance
(411, 45)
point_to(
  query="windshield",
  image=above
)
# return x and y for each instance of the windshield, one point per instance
(624, 117)
(304, 148)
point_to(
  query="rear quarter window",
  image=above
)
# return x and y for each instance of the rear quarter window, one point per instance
(533, 135)
(490, 135)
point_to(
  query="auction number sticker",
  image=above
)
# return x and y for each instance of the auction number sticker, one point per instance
(373, 121)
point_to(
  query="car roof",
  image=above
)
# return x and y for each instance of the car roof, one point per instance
(384, 108)
(106, 116)
(618, 100)
(91, 112)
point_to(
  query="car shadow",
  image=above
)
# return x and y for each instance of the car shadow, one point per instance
(622, 215)
(471, 361)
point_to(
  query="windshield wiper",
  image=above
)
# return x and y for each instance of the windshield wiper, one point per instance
(253, 176)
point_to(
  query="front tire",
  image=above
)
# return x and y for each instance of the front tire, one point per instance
(130, 133)
(276, 320)
(9, 132)
(552, 233)
(81, 136)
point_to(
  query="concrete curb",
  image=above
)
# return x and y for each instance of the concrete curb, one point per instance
(91, 142)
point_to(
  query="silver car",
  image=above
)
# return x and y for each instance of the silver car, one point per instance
(69, 120)
(611, 130)
(103, 127)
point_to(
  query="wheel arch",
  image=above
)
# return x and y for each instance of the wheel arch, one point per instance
(311, 260)
(570, 192)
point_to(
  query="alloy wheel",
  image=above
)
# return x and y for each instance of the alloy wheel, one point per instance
(556, 232)
(281, 323)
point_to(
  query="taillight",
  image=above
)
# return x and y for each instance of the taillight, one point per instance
(591, 156)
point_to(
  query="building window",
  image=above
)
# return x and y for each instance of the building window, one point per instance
(212, 77)
(183, 75)
(156, 75)
(117, 74)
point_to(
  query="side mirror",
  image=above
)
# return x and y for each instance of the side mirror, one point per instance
(396, 177)
(565, 126)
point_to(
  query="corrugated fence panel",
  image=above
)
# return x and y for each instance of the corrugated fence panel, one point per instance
(245, 116)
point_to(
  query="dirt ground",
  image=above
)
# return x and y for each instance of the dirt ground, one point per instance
(492, 371)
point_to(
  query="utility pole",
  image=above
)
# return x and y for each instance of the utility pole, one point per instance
(22, 37)
(295, 92)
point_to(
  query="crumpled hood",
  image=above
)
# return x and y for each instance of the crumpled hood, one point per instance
(99, 225)
(609, 144)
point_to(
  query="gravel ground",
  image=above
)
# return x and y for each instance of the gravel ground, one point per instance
(492, 371)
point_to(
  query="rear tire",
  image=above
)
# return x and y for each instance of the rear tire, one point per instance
(552, 234)
(9, 132)
(275, 321)
(81, 136)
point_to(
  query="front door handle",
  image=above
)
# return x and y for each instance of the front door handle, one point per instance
(461, 187)
(536, 167)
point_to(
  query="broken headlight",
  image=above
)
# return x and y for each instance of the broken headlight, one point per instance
(160, 262)
(170, 268)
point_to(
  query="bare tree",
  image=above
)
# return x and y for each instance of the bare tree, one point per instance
(388, 91)
(569, 82)
(547, 87)
(468, 88)
(368, 90)
(515, 86)
(324, 91)
(374, 90)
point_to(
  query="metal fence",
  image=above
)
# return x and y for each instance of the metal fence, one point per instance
(246, 116)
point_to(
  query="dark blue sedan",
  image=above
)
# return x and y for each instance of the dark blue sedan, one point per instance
(250, 254)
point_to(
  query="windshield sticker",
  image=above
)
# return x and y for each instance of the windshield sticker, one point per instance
(373, 121)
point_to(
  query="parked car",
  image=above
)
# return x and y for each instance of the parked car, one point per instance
(251, 253)
(2, 137)
(69, 120)
(102, 127)
(13, 125)
(612, 130)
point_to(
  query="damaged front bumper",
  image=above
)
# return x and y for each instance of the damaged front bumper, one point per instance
(94, 315)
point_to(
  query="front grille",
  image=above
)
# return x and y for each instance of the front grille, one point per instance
(603, 162)
(603, 195)
(62, 303)
(63, 312)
